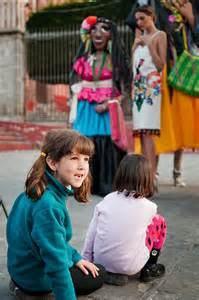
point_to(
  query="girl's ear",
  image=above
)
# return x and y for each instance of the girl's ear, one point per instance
(51, 163)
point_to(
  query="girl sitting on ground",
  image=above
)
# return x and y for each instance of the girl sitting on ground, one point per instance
(126, 234)
(41, 262)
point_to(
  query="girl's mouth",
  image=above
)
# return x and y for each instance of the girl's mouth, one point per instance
(78, 176)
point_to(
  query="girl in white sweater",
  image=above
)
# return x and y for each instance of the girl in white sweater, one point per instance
(126, 234)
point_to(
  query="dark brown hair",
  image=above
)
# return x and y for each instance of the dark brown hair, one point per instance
(57, 144)
(134, 175)
(147, 10)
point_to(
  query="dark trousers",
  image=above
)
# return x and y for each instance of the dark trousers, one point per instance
(83, 284)
(106, 160)
(86, 284)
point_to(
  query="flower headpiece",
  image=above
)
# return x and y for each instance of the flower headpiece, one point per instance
(86, 26)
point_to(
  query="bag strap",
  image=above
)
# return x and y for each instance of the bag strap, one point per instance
(184, 35)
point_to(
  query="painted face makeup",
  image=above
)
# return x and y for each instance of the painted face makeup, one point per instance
(100, 35)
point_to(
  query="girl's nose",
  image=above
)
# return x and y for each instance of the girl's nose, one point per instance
(81, 165)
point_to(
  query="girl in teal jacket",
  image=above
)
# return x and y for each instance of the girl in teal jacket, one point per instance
(41, 262)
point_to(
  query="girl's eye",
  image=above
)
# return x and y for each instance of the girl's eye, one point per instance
(74, 157)
(86, 158)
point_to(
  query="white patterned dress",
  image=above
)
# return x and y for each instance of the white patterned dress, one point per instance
(146, 92)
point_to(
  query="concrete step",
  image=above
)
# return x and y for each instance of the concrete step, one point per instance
(11, 137)
(16, 146)
(22, 135)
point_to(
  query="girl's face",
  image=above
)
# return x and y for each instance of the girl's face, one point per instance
(100, 35)
(143, 21)
(72, 169)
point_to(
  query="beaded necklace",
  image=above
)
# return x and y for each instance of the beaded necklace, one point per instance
(103, 60)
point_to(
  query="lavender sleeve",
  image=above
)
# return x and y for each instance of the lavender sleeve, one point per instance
(87, 251)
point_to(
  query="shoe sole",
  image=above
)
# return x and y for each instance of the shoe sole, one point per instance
(149, 279)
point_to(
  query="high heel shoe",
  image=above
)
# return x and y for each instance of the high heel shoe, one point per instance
(177, 178)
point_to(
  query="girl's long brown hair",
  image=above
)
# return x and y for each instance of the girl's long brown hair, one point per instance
(134, 175)
(57, 144)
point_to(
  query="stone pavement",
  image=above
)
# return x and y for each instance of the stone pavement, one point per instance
(180, 206)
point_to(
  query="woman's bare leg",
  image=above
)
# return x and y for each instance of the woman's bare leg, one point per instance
(177, 161)
(148, 149)
(157, 157)
(177, 171)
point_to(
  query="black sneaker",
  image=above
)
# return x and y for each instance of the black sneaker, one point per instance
(152, 272)
(116, 279)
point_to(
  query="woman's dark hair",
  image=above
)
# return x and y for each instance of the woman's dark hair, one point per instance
(120, 58)
(57, 144)
(147, 10)
(134, 175)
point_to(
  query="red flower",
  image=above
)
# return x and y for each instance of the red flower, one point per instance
(137, 76)
(91, 20)
(141, 62)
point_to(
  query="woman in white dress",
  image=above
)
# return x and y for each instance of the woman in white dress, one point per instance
(149, 56)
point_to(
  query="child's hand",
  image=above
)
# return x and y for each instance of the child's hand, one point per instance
(86, 266)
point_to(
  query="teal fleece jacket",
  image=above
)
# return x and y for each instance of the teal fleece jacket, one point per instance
(38, 235)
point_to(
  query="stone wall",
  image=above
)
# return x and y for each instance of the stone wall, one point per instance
(11, 73)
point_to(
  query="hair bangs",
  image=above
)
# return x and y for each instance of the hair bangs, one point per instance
(84, 146)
